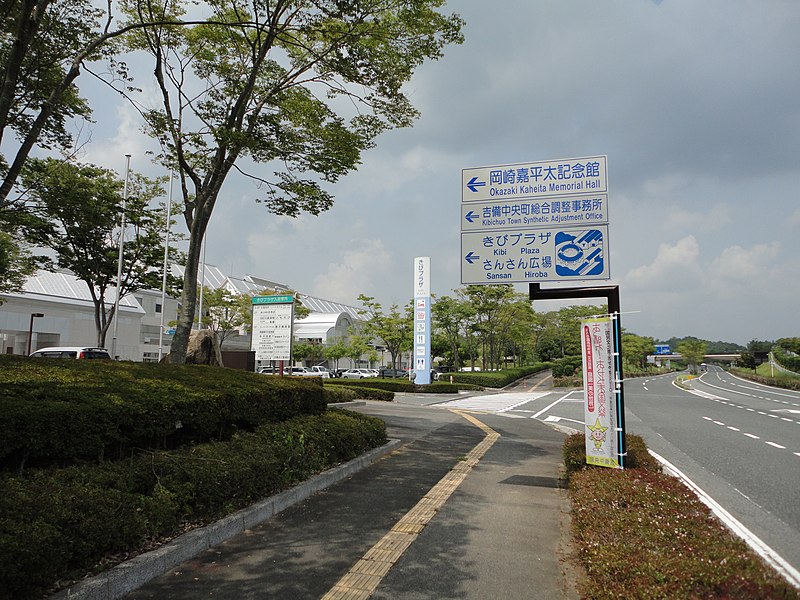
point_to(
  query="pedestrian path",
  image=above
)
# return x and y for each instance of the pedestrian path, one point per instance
(493, 403)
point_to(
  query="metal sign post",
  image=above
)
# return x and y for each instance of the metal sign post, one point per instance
(611, 294)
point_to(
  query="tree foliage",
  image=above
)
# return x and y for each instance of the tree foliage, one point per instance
(693, 352)
(16, 264)
(303, 88)
(394, 328)
(80, 208)
(635, 350)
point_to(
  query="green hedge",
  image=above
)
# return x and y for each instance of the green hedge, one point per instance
(363, 392)
(568, 366)
(574, 452)
(340, 394)
(53, 411)
(401, 385)
(56, 524)
(496, 379)
(641, 535)
(781, 380)
(786, 360)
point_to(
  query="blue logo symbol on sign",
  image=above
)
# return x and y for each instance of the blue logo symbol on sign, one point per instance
(579, 253)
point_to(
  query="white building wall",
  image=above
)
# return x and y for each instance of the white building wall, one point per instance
(66, 323)
(149, 338)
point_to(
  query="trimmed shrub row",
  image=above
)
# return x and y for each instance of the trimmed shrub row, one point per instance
(362, 392)
(788, 361)
(642, 534)
(55, 411)
(400, 385)
(781, 380)
(574, 452)
(497, 379)
(58, 523)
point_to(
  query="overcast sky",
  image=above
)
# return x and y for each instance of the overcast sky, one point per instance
(695, 104)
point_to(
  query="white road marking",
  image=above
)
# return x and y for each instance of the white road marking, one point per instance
(496, 403)
(551, 405)
(791, 574)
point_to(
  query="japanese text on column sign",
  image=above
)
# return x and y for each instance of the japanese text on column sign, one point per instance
(420, 274)
(600, 373)
(562, 177)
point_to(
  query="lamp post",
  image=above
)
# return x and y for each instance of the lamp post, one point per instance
(30, 329)
(119, 260)
(166, 265)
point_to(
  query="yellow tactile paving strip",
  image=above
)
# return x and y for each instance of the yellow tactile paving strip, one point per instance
(367, 573)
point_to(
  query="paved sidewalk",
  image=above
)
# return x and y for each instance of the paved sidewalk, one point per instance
(468, 506)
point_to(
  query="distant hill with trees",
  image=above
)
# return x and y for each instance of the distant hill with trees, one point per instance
(718, 347)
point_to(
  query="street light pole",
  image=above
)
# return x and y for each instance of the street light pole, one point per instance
(30, 329)
(164, 275)
(119, 260)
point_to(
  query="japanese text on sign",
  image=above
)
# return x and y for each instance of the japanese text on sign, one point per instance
(548, 178)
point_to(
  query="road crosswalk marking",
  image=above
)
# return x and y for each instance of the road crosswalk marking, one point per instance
(495, 403)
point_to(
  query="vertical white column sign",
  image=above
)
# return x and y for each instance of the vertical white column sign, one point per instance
(422, 320)
(597, 344)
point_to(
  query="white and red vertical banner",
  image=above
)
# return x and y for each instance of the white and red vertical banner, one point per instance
(600, 407)
(422, 320)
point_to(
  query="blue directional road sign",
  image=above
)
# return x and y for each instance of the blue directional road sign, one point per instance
(526, 213)
(535, 254)
(565, 177)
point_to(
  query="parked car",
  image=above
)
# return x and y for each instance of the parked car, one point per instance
(298, 372)
(412, 375)
(320, 371)
(392, 373)
(357, 374)
(72, 352)
(337, 372)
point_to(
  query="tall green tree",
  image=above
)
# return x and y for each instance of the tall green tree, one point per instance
(225, 312)
(16, 263)
(635, 350)
(393, 328)
(44, 48)
(450, 317)
(301, 87)
(518, 324)
(693, 351)
(487, 303)
(81, 206)
(39, 42)
(335, 351)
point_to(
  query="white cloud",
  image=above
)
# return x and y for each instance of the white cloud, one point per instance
(713, 218)
(743, 265)
(673, 268)
(360, 269)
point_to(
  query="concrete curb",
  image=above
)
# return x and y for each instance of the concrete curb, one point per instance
(132, 574)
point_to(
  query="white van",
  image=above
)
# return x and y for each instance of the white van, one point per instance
(72, 352)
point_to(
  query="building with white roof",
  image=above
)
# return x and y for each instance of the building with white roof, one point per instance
(69, 318)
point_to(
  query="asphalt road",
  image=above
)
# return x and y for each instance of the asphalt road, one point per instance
(738, 441)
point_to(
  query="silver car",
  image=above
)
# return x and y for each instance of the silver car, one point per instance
(357, 374)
